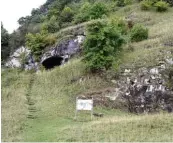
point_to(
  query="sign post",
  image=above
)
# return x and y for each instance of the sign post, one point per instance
(85, 105)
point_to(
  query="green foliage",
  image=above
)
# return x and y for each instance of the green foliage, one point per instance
(128, 2)
(37, 42)
(138, 33)
(67, 14)
(23, 60)
(89, 11)
(161, 6)
(120, 24)
(122, 3)
(5, 49)
(102, 43)
(98, 10)
(146, 4)
(50, 40)
(52, 25)
(16, 40)
(53, 12)
(83, 13)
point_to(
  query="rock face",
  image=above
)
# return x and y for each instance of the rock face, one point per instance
(145, 90)
(54, 56)
(62, 52)
(140, 91)
(22, 57)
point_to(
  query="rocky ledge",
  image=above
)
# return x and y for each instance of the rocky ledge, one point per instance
(51, 57)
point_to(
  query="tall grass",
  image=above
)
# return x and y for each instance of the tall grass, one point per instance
(14, 85)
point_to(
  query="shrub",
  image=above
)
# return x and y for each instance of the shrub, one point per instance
(50, 40)
(5, 48)
(98, 10)
(138, 33)
(88, 12)
(83, 13)
(128, 2)
(37, 42)
(146, 4)
(120, 3)
(52, 25)
(161, 6)
(67, 14)
(102, 43)
(120, 24)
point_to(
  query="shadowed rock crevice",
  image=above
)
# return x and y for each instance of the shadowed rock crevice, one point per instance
(53, 61)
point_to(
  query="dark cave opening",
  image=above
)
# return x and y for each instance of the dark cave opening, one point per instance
(51, 62)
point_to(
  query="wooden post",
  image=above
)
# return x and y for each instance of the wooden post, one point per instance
(92, 109)
(76, 110)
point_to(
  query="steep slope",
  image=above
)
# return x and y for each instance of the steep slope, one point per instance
(54, 93)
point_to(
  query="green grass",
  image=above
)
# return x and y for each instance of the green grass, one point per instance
(54, 97)
(126, 128)
(14, 85)
(53, 94)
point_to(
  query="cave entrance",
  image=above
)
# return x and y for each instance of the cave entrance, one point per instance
(51, 62)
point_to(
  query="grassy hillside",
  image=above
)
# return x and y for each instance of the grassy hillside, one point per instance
(53, 119)
(41, 107)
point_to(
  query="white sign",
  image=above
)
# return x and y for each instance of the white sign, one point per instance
(84, 104)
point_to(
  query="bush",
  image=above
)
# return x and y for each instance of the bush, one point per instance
(120, 3)
(83, 15)
(120, 24)
(50, 40)
(97, 10)
(161, 6)
(146, 4)
(128, 2)
(67, 14)
(52, 25)
(37, 42)
(5, 48)
(88, 12)
(138, 33)
(102, 43)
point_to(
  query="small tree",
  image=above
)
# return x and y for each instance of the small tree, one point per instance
(98, 10)
(88, 12)
(138, 33)
(5, 49)
(102, 43)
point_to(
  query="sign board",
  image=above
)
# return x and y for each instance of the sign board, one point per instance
(82, 104)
